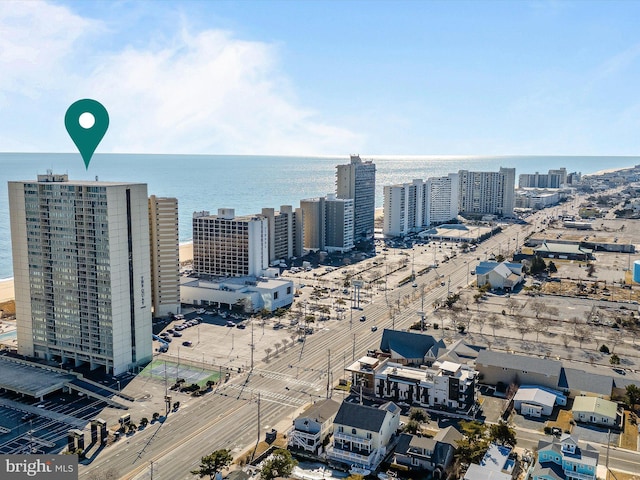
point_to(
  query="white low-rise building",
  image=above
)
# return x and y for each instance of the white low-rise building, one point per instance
(254, 293)
(534, 402)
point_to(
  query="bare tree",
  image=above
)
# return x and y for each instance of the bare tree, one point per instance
(538, 308)
(565, 340)
(615, 338)
(522, 325)
(553, 311)
(538, 327)
(583, 334)
(575, 322)
(480, 320)
(268, 351)
(277, 345)
(494, 322)
(511, 304)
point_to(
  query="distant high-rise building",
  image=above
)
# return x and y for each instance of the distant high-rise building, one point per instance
(313, 212)
(81, 271)
(357, 180)
(229, 246)
(165, 258)
(339, 224)
(483, 193)
(443, 198)
(552, 179)
(328, 223)
(283, 225)
(411, 207)
(406, 208)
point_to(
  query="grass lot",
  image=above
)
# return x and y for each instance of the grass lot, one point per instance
(563, 421)
(9, 308)
(623, 476)
(629, 437)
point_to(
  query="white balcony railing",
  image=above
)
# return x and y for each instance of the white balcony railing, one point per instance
(353, 439)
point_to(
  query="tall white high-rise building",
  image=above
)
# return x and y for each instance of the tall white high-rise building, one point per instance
(229, 246)
(411, 207)
(487, 192)
(165, 255)
(443, 198)
(406, 208)
(81, 271)
(357, 180)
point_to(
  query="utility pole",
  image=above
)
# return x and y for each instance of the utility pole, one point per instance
(607, 460)
(328, 374)
(353, 353)
(151, 469)
(252, 346)
(258, 442)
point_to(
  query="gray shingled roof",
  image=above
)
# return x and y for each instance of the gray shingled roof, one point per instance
(586, 381)
(407, 344)
(360, 416)
(321, 411)
(542, 366)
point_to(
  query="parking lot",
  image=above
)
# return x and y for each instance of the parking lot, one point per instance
(27, 429)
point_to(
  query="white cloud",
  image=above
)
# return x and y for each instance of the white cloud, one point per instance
(202, 92)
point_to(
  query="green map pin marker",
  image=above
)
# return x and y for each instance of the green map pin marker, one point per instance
(86, 122)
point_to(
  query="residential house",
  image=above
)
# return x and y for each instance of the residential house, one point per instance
(362, 434)
(501, 276)
(313, 426)
(447, 386)
(596, 410)
(495, 465)
(564, 459)
(434, 455)
(410, 348)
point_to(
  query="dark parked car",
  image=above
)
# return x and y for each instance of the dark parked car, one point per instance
(187, 343)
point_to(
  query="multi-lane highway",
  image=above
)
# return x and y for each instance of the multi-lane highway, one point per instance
(229, 417)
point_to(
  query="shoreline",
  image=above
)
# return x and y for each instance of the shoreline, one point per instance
(7, 291)
(185, 249)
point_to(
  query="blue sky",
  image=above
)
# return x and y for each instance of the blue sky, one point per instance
(326, 77)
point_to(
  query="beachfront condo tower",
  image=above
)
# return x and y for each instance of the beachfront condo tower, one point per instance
(165, 259)
(357, 180)
(487, 193)
(81, 271)
(228, 246)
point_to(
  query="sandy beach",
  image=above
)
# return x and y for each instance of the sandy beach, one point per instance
(6, 290)
(186, 252)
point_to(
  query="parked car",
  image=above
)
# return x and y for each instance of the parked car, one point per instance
(374, 328)
(363, 318)
(177, 334)
(187, 343)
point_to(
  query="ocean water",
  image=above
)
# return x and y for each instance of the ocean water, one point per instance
(249, 183)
